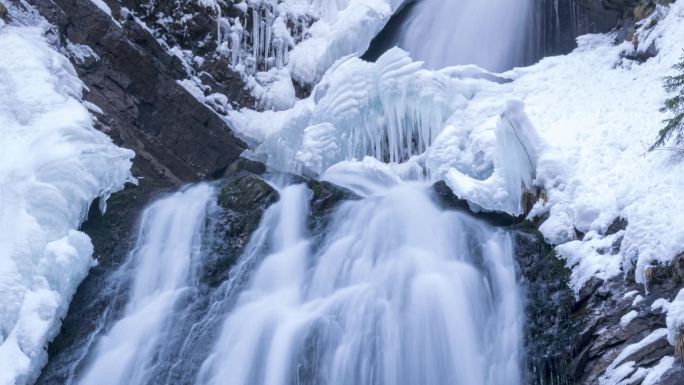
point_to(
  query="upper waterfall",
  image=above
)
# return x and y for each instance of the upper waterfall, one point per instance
(492, 34)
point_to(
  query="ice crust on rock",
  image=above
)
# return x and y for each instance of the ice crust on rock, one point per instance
(53, 164)
(675, 318)
(294, 39)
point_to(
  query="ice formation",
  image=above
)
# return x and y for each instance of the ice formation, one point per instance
(574, 139)
(517, 151)
(53, 164)
(297, 38)
(396, 111)
(391, 110)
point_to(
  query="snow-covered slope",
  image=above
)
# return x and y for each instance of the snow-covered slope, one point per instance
(53, 164)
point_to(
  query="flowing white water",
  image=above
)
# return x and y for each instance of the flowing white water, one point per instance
(389, 290)
(396, 291)
(164, 258)
(490, 33)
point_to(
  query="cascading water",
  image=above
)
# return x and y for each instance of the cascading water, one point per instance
(388, 289)
(396, 291)
(493, 34)
(393, 290)
(165, 260)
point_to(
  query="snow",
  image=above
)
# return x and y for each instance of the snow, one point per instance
(348, 32)
(80, 53)
(273, 89)
(675, 318)
(103, 6)
(619, 369)
(660, 304)
(657, 371)
(53, 164)
(605, 114)
(629, 317)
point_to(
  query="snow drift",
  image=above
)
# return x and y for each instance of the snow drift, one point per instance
(53, 164)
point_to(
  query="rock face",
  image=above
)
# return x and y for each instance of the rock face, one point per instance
(575, 339)
(242, 200)
(560, 22)
(550, 326)
(132, 78)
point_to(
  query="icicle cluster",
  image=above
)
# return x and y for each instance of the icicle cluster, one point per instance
(391, 111)
(263, 36)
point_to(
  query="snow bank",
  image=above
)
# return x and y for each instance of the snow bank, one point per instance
(600, 111)
(53, 164)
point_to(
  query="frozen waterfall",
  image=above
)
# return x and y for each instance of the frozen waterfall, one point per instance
(386, 289)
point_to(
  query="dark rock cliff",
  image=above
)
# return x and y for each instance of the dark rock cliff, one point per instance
(132, 79)
(572, 339)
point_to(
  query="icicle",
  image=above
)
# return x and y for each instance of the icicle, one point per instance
(219, 37)
(256, 36)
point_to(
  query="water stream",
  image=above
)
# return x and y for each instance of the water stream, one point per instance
(392, 290)
(396, 292)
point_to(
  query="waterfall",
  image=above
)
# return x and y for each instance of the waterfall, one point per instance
(395, 291)
(493, 34)
(166, 254)
(387, 289)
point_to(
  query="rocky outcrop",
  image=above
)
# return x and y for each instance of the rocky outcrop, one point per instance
(549, 306)
(242, 200)
(575, 339)
(133, 80)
